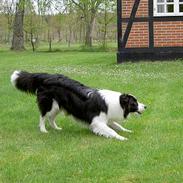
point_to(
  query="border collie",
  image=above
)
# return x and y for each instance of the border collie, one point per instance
(97, 108)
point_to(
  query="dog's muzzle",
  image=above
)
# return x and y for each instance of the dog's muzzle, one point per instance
(141, 108)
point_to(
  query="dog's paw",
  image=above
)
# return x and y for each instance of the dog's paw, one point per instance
(58, 128)
(43, 131)
(121, 138)
(129, 131)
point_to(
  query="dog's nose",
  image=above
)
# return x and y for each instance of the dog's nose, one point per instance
(145, 107)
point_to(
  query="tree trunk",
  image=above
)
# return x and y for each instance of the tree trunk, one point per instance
(89, 30)
(88, 38)
(50, 44)
(59, 35)
(70, 36)
(18, 35)
(50, 41)
(105, 29)
(32, 41)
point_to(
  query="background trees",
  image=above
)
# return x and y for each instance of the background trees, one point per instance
(89, 10)
(33, 22)
(18, 33)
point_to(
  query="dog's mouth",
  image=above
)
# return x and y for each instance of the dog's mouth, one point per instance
(141, 108)
(138, 112)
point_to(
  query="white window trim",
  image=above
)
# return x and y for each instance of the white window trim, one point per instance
(176, 9)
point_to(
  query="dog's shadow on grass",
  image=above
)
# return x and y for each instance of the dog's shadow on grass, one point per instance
(68, 132)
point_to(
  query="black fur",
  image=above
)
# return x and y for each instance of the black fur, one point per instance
(83, 102)
(129, 104)
(29, 82)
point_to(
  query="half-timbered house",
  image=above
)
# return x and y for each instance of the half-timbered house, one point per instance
(149, 29)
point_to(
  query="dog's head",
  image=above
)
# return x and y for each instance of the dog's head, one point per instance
(130, 104)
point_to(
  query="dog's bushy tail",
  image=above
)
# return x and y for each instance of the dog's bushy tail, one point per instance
(27, 82)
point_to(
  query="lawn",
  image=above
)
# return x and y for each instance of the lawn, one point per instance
(153, 153)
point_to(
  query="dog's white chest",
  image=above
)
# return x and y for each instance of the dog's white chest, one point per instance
(111, 98)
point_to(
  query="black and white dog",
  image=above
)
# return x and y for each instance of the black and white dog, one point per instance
(97, 108)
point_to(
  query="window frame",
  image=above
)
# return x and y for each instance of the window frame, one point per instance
(176, 12)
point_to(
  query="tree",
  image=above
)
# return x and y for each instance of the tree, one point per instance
(64, 21)
(18, 34)
(107, 16)
(8, 10)
(89, 9)
(45, 10)
(31, 24)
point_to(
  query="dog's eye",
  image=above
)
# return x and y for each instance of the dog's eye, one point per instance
(134, 105)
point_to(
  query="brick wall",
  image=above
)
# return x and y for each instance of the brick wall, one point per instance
(139, 35)
(166, 34)
(127, 7)
(142, 9)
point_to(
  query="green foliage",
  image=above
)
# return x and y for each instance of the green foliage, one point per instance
(153, 152)
(63, 21)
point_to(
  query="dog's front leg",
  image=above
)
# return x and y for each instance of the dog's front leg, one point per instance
(102, 129)
(118, 127)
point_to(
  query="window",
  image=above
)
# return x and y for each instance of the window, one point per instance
(168, 7)
(181, 6)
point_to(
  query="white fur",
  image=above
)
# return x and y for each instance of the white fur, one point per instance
(14, 77)
(42, 124)
(141, 107)
(51, 115)
(115, 112)
(100, 123)
(118, 127)
(99, 127)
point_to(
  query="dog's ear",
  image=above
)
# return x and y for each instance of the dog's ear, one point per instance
(124, 99)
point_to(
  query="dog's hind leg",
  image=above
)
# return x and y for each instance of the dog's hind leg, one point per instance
(52, 115)
(45, 104)
(118, 127)
(42, 124)
(53, 123)
(102, 129)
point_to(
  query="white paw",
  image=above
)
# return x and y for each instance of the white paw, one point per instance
(121, 138)
(129, 131)
(43, 130)
(58, 128)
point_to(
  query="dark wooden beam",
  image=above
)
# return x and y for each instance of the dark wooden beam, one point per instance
(155, 19)
(155, 49)
(130, 22)
(119, 23)
(151, 27)
(150, 54)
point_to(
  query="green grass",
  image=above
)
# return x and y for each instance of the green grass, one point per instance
(62, 47)
(153, 153)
